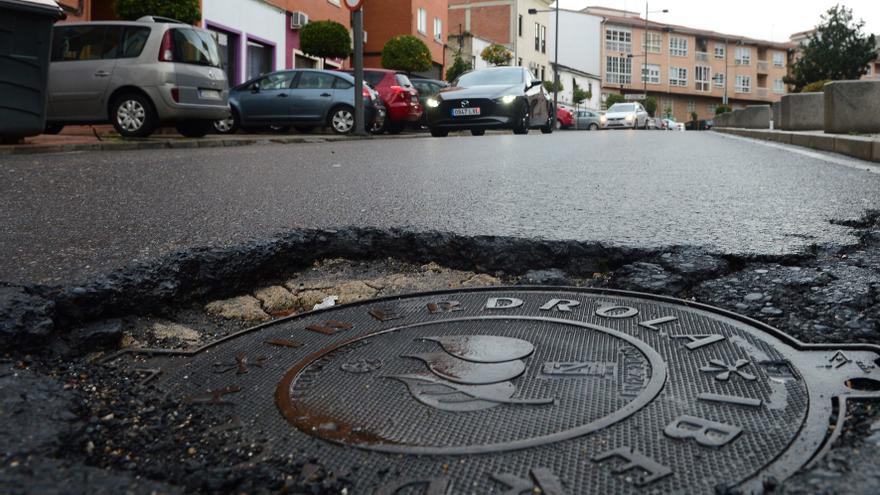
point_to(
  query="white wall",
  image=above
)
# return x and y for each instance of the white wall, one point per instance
(584, 82)
(579, 41)
(478, 45)
(525, 45)
(250, 17)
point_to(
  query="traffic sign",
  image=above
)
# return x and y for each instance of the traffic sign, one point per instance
(354, 5)
(634, 97)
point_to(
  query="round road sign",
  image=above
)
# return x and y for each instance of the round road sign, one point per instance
(354, 4)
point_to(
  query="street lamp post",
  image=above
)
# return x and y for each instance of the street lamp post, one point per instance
(645, 47)
(555, 61)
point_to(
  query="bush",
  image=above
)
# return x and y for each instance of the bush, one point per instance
(614, 98)
(188, 11)
(650, 105)
(694, 116)
(457, 68)
(815, 87)
(406, 53)
(578, 95)
(496, 54)
(325, 39)
(722, 109)
(552, 88)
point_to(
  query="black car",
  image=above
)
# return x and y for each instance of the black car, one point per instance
(426, 89)
(494, 98)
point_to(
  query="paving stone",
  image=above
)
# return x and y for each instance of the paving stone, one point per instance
(275, 298)
(171, 330)
(239, 308)
(350, 292)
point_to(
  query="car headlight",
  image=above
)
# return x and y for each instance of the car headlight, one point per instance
(629, 118)
(432, 102)
(508, 99)
(603, 119)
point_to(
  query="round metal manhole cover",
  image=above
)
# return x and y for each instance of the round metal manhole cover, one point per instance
(513, 390)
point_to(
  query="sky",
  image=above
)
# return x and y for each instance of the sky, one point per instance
(773, 20)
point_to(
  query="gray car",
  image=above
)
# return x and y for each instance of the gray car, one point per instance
(302, 98)
(587, 119)
(136, 75)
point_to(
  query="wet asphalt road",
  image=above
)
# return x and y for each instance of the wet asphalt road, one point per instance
(67, 216)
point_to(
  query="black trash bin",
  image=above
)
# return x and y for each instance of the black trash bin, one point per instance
(25, 43)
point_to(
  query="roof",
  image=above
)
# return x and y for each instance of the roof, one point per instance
(640, 22)
(575, 71)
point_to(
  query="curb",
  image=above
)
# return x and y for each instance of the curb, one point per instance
(148, 144)
(863, 148)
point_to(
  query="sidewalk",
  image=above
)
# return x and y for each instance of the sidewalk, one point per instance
(864, 147)
(103, 137)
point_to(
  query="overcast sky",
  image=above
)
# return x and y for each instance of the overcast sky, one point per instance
(763, 19)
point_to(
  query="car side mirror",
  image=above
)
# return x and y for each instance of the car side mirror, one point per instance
(255, 88)
(535, 83)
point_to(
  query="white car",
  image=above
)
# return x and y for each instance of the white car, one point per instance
(671, 125)
(625, 116)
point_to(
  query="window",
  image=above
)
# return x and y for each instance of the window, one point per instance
(543, 73)
(711, 108)
(260, 59)
(438, 29)
(718, 79)
(653, 42)
(678, 47)
(743, 55)
(720, 50)
(228, 44)
(276, 82)
(743, 84)
(133, 41)
(778, 59)
(651, 74)
(519, 61)
(340, 83)
(701, 77)
(196, 47)
(519, 25)
(315, 80)
(618, 39)
(543, 39)
(692, 107)
(85, 43)
(423, 21)
(778, 86)
(537, 36)
(678, 76)
(618, 70)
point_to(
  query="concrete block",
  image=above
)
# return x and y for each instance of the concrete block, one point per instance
(800, 140)
(859, 147)
(777, 114)
(822, 142)
(852, 106)
(802, 112)
(875, 155)
(736, 118)
(756, 117)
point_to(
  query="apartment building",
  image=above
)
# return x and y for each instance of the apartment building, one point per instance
(424, 19)
(686, 69)
(508, 23)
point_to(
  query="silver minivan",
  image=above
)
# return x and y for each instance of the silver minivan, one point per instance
(136, 75)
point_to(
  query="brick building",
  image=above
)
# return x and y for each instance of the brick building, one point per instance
(424, 19)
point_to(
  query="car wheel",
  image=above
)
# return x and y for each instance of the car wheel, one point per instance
(342, 119)
(439, 132)
(53, 129)
(133, 116)
(522, 125)
(304, 129)
(558, 125)
(228, 125)
(594, 127)
(548, 127)
(194, 128)
(478, 132)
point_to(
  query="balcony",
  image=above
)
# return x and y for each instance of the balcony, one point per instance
(761, 92)
(702, 57)
(763, 67)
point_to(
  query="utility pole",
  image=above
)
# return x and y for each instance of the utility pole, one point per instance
(555, 68)
(726, 49)
(357, 24)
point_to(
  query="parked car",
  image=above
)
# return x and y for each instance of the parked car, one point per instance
(401, 99)
(426, 89)
(670, 124)
(625, 115)
(492, 98)
(589, 120)
(302, 98)
(136, 75)
(564, 118)
(655, 123)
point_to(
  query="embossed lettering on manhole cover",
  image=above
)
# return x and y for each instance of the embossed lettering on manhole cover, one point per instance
(512, 390)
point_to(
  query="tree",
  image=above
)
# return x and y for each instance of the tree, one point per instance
(651, 105)
(406, 53)
(815, 87)
(496, 54)
(552, 87)
(614, 98)
(457, 68)
(837, 50)
(694, 116)
(188, 11)
(667, 112)
(325, 39)
(578, 95)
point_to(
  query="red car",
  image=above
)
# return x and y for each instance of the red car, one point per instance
(564, 118)
(400, 97)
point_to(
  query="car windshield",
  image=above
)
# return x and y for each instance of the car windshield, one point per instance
(487, 77)
(195, 47)
(622, 107)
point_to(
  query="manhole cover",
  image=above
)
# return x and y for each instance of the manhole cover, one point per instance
(511, 390)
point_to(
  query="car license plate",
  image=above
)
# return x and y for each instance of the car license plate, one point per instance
(463, 112)
(209, 94)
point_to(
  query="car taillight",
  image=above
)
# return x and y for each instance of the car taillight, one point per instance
(400, 93)
(367, 93)
(166, 49)
(175, 95)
